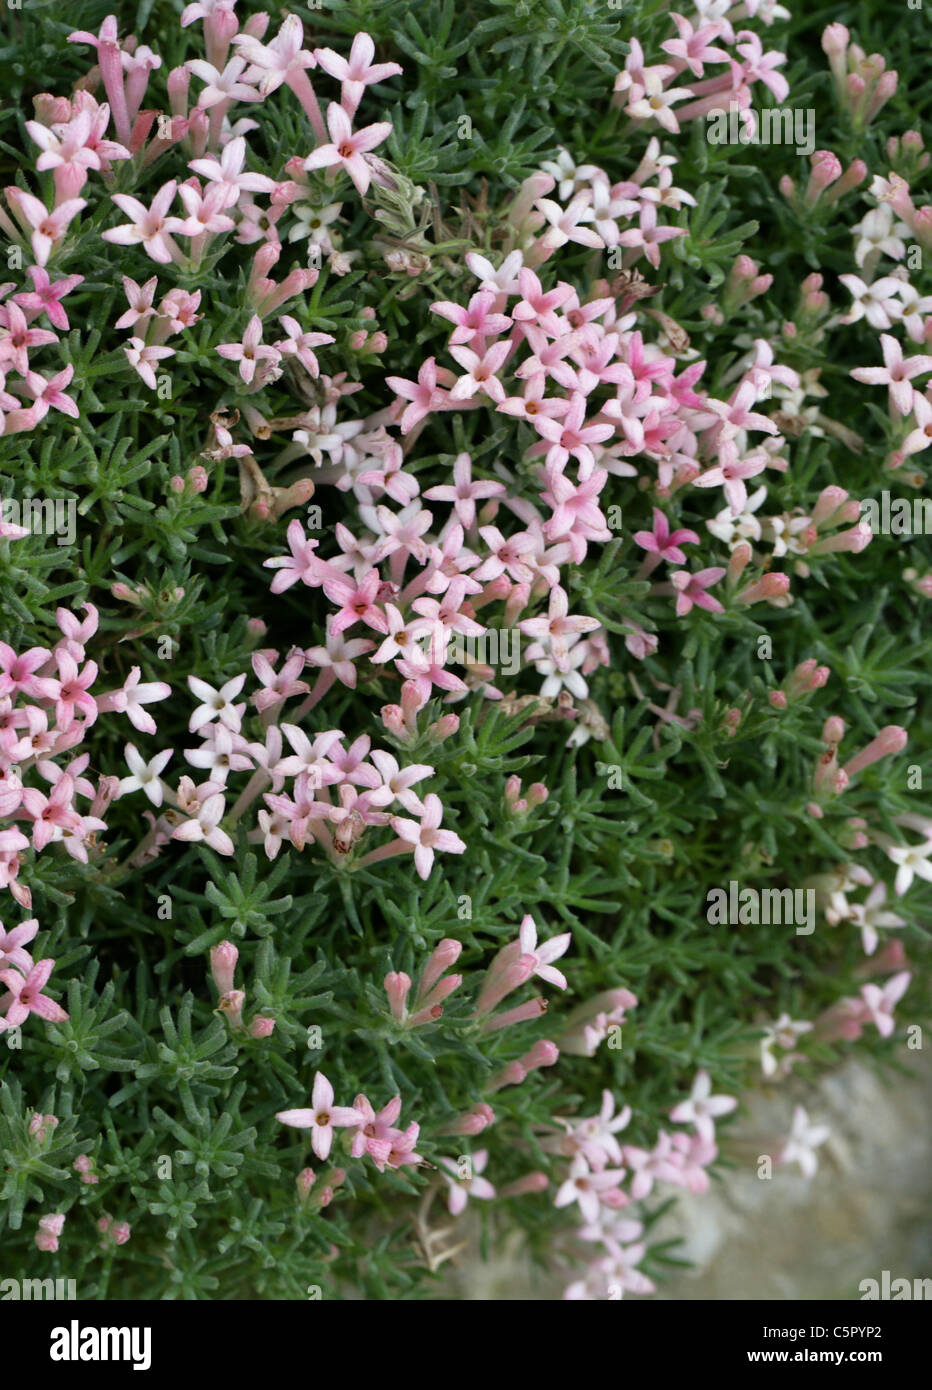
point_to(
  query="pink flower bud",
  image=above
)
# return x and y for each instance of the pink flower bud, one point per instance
(83, 1165)
(542, 1054)
(854, 541)
(891, 739)
(501, 982)
(777, 699)
(41, 1126)
(738, 562)
(50, 1228)
(515, 604)
(261, 1027)
(833, 731)
(769, 586)
(396, 986)
(51, 110)
(412, 700)
(537, 794)
(468, 1125)
(393, 720)
(511, 1075)
(744, 269)
(531, 1182)
(223, 958)
(835, 39)
(446, 953)
(443, 728)
(522, 1013)
(886, 86)
(231, 1004)
(304, 1182)
(826, 168)
(854, 175)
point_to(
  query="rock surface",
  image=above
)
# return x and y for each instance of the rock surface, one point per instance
(868, 1208)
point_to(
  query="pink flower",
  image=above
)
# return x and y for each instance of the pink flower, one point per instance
(17, 673)
(229, 172)
(250, 351)
(280, 686)
(565, 224)
(557, 625)
(464, 493)
(423, 394)
(346, 148)
(139, 298)
(879, 1003)
(477, 320)
(376, 1133)
(702, 1108)
(206, 216)
(648, 236)
(73, 691)
(18, 339)
(48, 228)
(541, 956)
(691, 589)
(280, 61)
(322, 1118)
(664, 542)
(13, 943)
(357, 602)
(47, 393)
(300, 344)
(222, 86)
(396, 783)
(110, 60)
(47, 295)
(149, 227)
(25, 996)
(585, 1187)
(469, 1185)
(133, 696)
(357, 73)
(142, 357)
(897, 373)
(424, 837)
(480, 372)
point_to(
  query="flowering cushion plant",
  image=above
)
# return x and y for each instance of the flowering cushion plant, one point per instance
(448, 611)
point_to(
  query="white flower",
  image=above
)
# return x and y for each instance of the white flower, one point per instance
(804, 1139)
(910, 860)
(145, 776)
